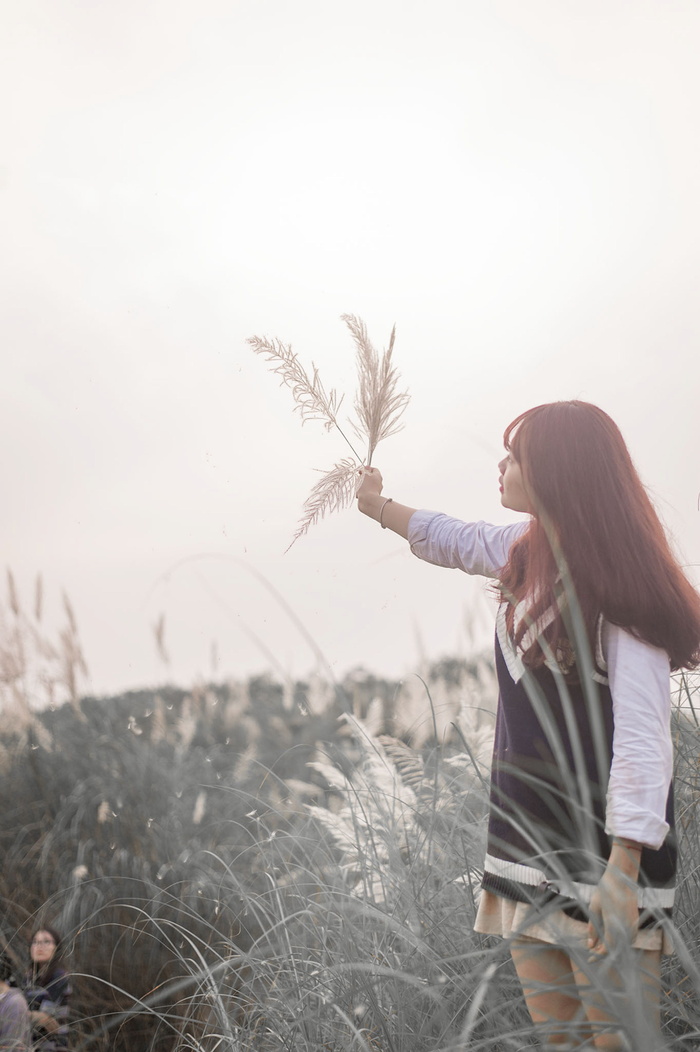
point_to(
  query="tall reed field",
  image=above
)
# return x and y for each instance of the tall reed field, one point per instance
(275, 866)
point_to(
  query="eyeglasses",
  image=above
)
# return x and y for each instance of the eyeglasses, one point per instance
(43, 942)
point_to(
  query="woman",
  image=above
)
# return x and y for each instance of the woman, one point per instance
(594, 613)
(14, 1015)
(48, 991)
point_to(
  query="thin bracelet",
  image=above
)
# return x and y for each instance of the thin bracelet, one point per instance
(381, 511)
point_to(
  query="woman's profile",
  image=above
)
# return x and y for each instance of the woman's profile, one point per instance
(594, 614)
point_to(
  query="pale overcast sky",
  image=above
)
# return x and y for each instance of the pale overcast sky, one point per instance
(514, 183)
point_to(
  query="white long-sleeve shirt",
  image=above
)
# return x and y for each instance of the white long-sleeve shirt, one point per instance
(638, 673)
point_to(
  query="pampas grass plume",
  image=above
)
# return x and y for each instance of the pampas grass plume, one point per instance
(378, 404)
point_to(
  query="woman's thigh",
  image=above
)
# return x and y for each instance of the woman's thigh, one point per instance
(621, 989)
(551, 992)
(578, 997)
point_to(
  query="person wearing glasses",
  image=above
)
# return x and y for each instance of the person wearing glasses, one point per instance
(48, 991)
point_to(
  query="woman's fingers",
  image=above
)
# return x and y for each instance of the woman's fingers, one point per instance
(594, 941)
(369, 480)
(595, 925)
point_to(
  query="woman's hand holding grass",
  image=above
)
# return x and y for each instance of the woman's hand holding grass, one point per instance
(369, 488)
(372, 502)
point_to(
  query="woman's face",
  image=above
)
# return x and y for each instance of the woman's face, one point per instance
(42, 948)
(512, 485)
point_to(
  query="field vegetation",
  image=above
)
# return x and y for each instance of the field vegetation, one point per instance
(277, 866)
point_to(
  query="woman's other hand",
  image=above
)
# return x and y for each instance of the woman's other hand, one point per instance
(614, 914)
(44, 1021)
(614, 909)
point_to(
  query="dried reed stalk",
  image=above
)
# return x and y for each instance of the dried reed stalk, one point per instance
(32, 668)
(334, 491)
(312, 400)
(378, 405)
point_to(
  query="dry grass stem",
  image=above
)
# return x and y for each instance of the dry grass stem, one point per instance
(378, 404)
(12, 596)
(159, 634)
(312, 400)
(38, 598)
(333, 491)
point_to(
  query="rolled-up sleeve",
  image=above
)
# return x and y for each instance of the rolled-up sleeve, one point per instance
(642, 763)
(475, 547)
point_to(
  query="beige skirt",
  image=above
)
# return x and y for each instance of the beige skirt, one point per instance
(499, 916)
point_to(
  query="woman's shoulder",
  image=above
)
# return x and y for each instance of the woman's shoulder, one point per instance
(15, 998)
(622, 645)
(53, 987)
(59, 980)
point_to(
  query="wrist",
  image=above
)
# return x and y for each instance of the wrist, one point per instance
(371, 504)
(629, 845)
(625, 857)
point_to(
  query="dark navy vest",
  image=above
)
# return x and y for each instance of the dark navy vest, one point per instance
(551, 763)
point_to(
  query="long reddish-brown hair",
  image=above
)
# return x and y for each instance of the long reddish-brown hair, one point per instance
(589, 502)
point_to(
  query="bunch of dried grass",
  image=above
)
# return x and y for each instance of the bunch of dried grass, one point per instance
(378, 404)
(35, 671)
